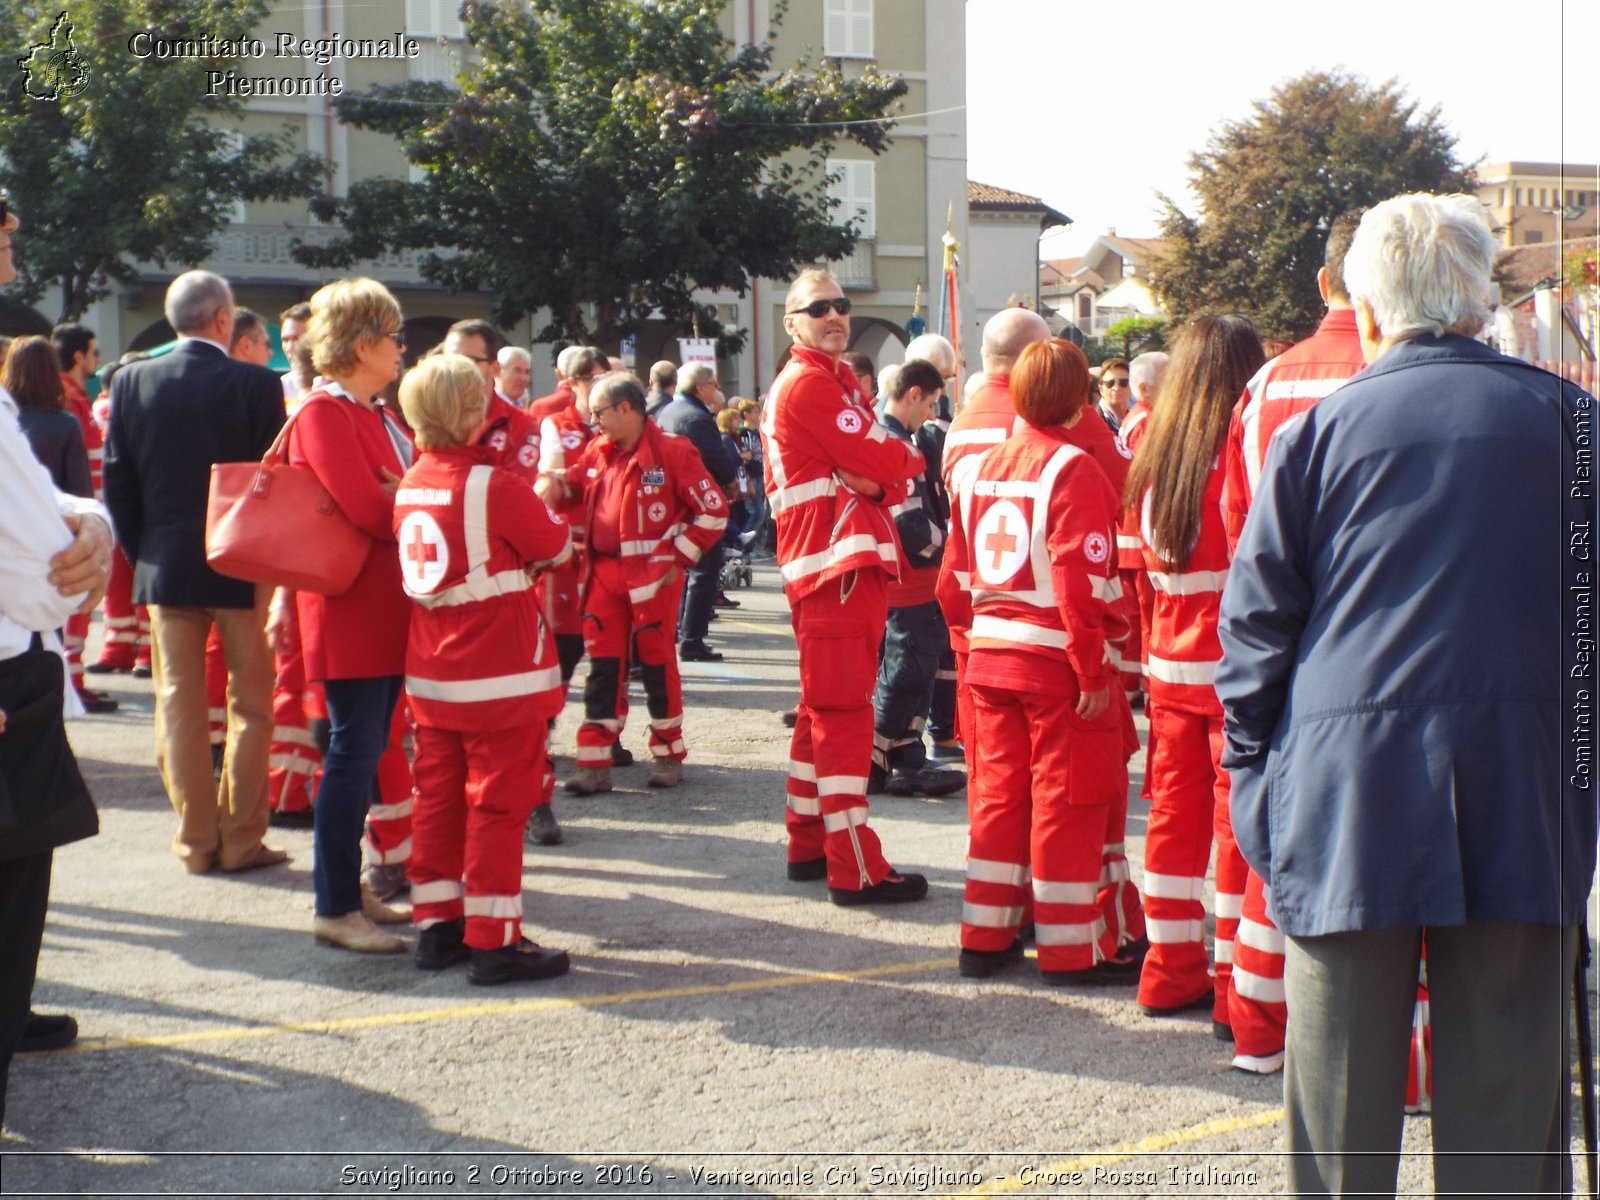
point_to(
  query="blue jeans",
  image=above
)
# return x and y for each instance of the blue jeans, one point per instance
(359, 712)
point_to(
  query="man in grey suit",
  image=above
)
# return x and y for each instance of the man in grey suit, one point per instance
(693, 415)
(172, 417)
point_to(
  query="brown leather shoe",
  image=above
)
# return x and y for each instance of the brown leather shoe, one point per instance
(379, 913)
(587, 781)
(667, 772)
(354, 932)
(265, 856)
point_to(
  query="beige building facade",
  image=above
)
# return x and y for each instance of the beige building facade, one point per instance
(1532, 202)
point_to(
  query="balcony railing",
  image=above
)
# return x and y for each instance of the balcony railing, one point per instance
(858, 270)
(261, 251)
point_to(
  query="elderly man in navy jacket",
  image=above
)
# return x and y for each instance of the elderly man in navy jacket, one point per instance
(1407, 723)
(693, 415)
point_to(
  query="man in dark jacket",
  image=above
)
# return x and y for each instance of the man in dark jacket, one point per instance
(1408, 723)
(693, 415)
(171, 418)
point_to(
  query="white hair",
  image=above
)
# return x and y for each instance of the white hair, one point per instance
(1146, 368)
(510, 354)
(933, 347)
(888, 377)
(1422, 263)
(194, 299)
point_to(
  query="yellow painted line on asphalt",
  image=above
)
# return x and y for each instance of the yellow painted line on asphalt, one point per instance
(504, 1008)
(1155, 1143)
(742, 624)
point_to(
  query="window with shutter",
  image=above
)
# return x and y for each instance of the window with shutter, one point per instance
(856, 190)
(847, 28)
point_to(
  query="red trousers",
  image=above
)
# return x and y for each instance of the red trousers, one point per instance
(474, 794)
(127, 625)
(1189, 807)
(73, 636)
(216, 689)
(1133, 649)
(296, 759)
(837, 629)
(389, 819)
(610, 621)
(1040, 802)
(1255, 999)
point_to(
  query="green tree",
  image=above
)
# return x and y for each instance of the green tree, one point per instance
(114, 161)
(1270, 187)
(607, 158)
(1133, 331)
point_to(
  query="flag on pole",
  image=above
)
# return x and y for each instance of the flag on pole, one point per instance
(916, 326)
(949, 300)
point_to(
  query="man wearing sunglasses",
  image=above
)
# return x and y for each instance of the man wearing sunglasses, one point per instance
(832, 473)
(1116, 391)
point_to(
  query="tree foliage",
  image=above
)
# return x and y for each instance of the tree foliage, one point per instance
(618, 154)
(1271, 186)
(1136, 332)
(131, 161)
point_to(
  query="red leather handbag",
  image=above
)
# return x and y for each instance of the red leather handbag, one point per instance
(270, 522)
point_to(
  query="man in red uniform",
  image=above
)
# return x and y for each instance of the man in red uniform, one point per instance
(988, 418)
(75, 347)
(125, 645)
(832, 474)
(480, 671)
(1286, 386)
(649, 510)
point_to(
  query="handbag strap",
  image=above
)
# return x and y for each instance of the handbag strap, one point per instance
(278, 452)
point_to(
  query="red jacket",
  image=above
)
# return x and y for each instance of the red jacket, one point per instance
(513, 436)
(94, 438)
(479, 656)
(672, 511)
(361, 634)
(1030, 571)
(814, 426)
(1183, 651)
(561, 398)
(1284, 387)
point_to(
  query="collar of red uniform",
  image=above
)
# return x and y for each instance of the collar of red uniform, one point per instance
(823, 361)
(1338, 320)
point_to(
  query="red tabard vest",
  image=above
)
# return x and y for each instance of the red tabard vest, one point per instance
(479, 655)
(1183, 654)
(814, 426)
(1029, 573)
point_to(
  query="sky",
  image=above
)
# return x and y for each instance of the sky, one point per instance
(1095, 105)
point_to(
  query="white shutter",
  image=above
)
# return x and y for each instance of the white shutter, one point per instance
(420, 18)
(835, 28)
(450, 25)
(859, 38)
(856, 190)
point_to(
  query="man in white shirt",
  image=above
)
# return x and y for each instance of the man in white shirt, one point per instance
(55, 559)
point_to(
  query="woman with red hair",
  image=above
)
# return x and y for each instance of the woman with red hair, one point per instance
(1030, 576)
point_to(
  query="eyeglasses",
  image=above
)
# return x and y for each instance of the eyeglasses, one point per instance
(399, 336)
(1114, 383)
(5, 207)
(599, 410)
(818, 309)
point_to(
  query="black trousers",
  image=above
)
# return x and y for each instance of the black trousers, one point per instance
(699, 594)
(913, 641)
(24, 896)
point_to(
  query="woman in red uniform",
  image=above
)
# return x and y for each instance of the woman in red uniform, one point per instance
(1175, 484)
(1030, 576)
(354, 644)
(482, 674)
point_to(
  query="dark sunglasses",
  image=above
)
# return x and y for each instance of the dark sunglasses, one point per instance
(1115, 383)
(818, 309)
(399, 336)
(5, 208)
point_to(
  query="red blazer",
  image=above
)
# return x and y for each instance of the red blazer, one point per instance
(361, 634)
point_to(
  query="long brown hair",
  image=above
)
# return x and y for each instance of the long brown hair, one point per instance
(1212, 361)
(32, 374)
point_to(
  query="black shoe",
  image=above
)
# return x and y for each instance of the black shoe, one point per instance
(1222, 1032)
(512, 964)
(789, 717)
(925, 781)
(621, 756)
(980, 964)
(440, 946)
(102, 668)
(877, 780)
(724, 601)
(217, 749)
(698, 652)
(97, 702)
(1138, 948)
(891, 889)
(142, 671)
(1113, 971)
(543, 829)
(1203, 1000)
(809, 870)
(47, 1033)
(300, 818)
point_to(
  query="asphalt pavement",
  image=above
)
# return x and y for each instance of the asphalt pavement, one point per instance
(723, 1031)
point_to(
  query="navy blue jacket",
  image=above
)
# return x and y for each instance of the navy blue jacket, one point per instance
(687, 417)
(1406, 631)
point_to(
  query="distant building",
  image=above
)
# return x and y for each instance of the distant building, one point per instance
(1530, 203)
(1002, 250)
(1109, 282)
(1543, 317)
